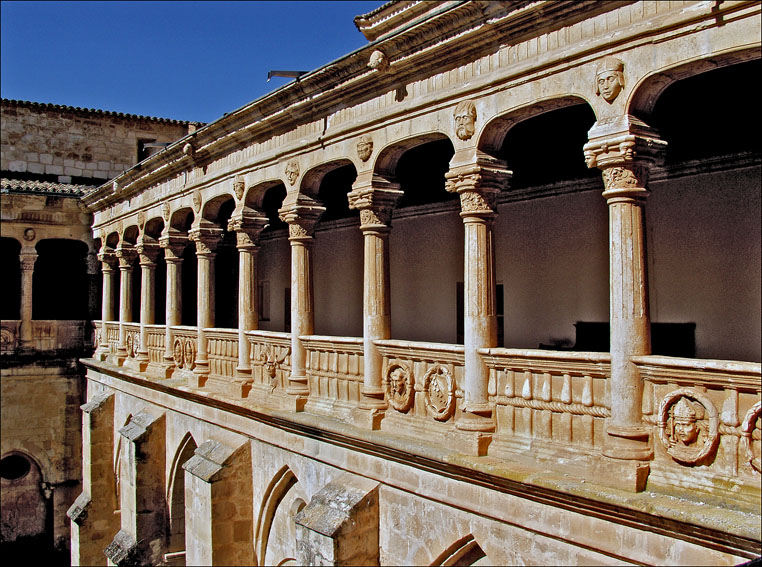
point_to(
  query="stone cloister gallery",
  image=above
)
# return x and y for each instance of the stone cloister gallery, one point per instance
(486, 290)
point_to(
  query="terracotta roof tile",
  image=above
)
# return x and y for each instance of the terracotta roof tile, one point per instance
(24, 186)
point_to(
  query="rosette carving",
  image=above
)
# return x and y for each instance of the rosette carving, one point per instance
(688, 426)
(189, 354)
(750, 436)
(439, 392)
(398, 384)
(177, 352)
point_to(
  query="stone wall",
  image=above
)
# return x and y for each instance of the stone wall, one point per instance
(80, 145)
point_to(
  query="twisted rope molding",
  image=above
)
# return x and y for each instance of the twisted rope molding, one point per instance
(557, 407)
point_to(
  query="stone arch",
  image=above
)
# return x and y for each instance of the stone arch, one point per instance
(314, 176)
(25, 512)
(215, 208)
(255, 194)
(493, 134)
(648, 89)
(389, 156)
(180, 221)
(10, 307)
(463, 551)
(176, 493)
(112, 240)
(280, 502)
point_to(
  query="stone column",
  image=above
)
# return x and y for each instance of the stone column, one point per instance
(126, 256)
(148, 254)
(92, 295)
(625, 150)
(174, 246)
(27, 260)
(247, 226)
(108, 261)
(375, 198)
(206, 240)
(478, 184)
(301, 218)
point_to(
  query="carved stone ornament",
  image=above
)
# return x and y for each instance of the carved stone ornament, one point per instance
(631, 177)
(297, 231)
(399, 387)
(238, 188)
(7, 340)
(133, 344)
(609, 78)
(189, 354)
(165, 211)
(188, 150)
(365, 147)
(476, 202)
(272, 357)
(375, 217)
(378, 61)
(688, 426)
(465, 119)
(29, 234)
(292, 171)
(439, 392)
(750, 426)
(177, 352)
(197, 201)
(141, 219)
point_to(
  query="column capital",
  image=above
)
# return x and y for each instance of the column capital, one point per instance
(173, 245)
(624, 149)
(108, 259)
(301, 217)
(206, 239)
(126, 255)
(375, 197)
(478, 184)
(148, 253)
(27, 260)
(247, 225)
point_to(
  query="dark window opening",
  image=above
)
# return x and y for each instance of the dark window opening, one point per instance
(333, 193)
(271, 202)
(421, 174)
(189, 285)
(10, 306)
(60, 284)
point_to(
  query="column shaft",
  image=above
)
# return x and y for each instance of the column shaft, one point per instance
(205, 307)
(27, 280)
(173, 304)
(147, 306)
(125, 308)
(248, 309)
(302, 312)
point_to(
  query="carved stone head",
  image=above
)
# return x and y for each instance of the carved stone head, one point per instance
(292, 171)
(365, 147)
(238, 188)
(465, 119)
(378, 61)
(197, 201)
(609, 78)
(684, 417)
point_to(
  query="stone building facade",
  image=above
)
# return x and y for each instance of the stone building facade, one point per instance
(485, 291)
(51, 156)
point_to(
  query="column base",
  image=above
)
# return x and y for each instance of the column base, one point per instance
(476, 418)
(372, 399)
(627, 442)
(473, 443)
(136, 364)
(101, 355)
(630, 476)
(368, 418)
(198, 379)
(291, 402)
(120, 357)
(160, 370)
(238, 387)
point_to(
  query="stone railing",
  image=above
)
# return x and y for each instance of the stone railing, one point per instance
(112, 335)
(184, 347)
(9, 336)
(270, 360)
(222, 350)
(422, 383)
(132, 338)
(52, 335)
(705, 422)
(547, 399)
(155, 337)
(335, 374)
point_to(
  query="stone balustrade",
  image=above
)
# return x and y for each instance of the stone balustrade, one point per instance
(270, 359)
(46, 335)
(184, 347)
(223, 353)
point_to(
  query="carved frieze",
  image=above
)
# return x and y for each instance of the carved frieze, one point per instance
(399, 384)
(465, 119)
(688, 426)
(439, 392)
(365, 147)
(609, 78)
(750, 436)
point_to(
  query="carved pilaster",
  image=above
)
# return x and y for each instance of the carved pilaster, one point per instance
(625, 149)
(478, 183)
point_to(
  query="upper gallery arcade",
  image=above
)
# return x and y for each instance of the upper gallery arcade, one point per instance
(405, 239)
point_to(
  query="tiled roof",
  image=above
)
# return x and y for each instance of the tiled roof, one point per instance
(78, 110)
(24, 186)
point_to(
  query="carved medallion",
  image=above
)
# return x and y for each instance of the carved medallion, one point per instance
(439, 392)
(465, 119)
(609, 78)
(165, 211)
(292, 171)
(189, 354)
(688, 425)
(7, 340)
(399, 386)
(177, 352)
(29, 234)
(365, 147)
(750, 436)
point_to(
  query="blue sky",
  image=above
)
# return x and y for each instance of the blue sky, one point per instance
(182, 60)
